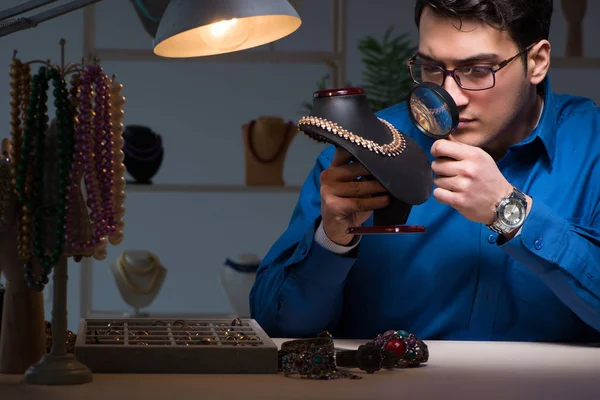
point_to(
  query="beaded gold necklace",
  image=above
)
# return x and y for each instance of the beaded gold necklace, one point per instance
(20, 90)
(395, 148)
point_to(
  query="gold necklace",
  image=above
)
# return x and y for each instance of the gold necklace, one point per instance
(124, 267)
(396, 147)
(140, 271)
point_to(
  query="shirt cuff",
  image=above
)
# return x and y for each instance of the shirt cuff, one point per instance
(322, 239)
(543, 233)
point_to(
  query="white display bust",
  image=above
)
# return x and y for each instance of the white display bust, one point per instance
(139, 277)
(237, 278)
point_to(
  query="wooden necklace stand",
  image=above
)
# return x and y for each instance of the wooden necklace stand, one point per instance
(266, 142)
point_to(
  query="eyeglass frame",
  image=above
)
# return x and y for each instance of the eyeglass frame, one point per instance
(493, 69)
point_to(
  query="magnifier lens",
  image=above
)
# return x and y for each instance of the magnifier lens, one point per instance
(433, 110)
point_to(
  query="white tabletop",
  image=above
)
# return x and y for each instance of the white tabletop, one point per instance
(456, 370)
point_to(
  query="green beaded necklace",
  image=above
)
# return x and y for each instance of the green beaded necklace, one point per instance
(33, 145)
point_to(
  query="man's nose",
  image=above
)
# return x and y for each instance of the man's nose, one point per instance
(457, 93)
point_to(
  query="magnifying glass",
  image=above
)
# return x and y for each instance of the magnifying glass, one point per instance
(432, 110)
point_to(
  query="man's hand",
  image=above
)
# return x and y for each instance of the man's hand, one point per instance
(468, 180)
(345, 201)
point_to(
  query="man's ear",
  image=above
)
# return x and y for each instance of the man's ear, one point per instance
(538, 62)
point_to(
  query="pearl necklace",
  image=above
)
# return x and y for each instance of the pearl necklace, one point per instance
(117, 102)
(154, 269)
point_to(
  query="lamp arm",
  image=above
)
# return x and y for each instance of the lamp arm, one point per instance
(10, 24)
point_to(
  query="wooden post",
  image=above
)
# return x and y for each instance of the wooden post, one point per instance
(23, 339)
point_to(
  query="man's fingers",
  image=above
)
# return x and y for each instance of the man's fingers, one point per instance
(341, 157)
(344, 173)
(370, 203)
(358, 189)
(446, 167)
(347, 206)
(451, 149)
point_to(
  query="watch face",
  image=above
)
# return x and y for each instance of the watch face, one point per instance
(512, 213)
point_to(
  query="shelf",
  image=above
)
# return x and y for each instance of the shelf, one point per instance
(575, 62)
(271, 57)
(168, 187)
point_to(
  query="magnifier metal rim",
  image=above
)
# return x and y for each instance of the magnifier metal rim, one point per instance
(445, 97)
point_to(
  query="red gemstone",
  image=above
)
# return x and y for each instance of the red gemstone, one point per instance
(398, 347)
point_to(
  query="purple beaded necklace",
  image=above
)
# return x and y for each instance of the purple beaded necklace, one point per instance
(93, 159)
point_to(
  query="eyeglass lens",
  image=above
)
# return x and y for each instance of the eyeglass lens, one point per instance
(467, 77)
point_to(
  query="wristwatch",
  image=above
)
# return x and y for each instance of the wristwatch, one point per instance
(510, 213)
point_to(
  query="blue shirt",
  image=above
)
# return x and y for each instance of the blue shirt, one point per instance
(456, 281)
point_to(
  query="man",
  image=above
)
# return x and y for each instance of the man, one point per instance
(537, 280)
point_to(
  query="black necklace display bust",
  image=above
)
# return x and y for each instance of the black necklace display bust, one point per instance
(343, 117)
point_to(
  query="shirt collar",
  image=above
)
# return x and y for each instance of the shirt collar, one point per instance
(545, 130)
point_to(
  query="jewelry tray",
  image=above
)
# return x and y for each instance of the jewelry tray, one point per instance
(150, 345)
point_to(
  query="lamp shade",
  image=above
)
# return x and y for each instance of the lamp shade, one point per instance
(195, 28)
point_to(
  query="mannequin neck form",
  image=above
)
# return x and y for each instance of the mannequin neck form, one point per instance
(139, 277)
(267, 140)
(351, 112)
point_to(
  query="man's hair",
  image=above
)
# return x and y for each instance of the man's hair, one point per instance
(526, 21)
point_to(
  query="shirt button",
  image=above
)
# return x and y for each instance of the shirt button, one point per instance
(303, 249)
(538, 244)
(492, 239)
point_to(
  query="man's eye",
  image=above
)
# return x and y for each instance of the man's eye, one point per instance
(431, 70)
(475, 72)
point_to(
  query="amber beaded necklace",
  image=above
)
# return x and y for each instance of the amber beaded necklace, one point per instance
(20, 85)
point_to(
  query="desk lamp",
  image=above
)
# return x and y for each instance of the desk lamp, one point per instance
(188, 28)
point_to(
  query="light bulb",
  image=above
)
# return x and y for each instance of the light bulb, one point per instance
(226, 35)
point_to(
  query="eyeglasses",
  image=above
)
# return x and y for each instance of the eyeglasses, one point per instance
(474, 77)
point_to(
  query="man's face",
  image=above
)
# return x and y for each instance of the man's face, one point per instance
(485, 115)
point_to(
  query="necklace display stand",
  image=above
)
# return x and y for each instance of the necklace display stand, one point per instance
(342, 117)
(67, 187)
(59, 367)
(266, 142)
(237, 278)
(139, 277)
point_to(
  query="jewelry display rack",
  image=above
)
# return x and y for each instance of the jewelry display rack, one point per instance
(175, 346)
(93, 99)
